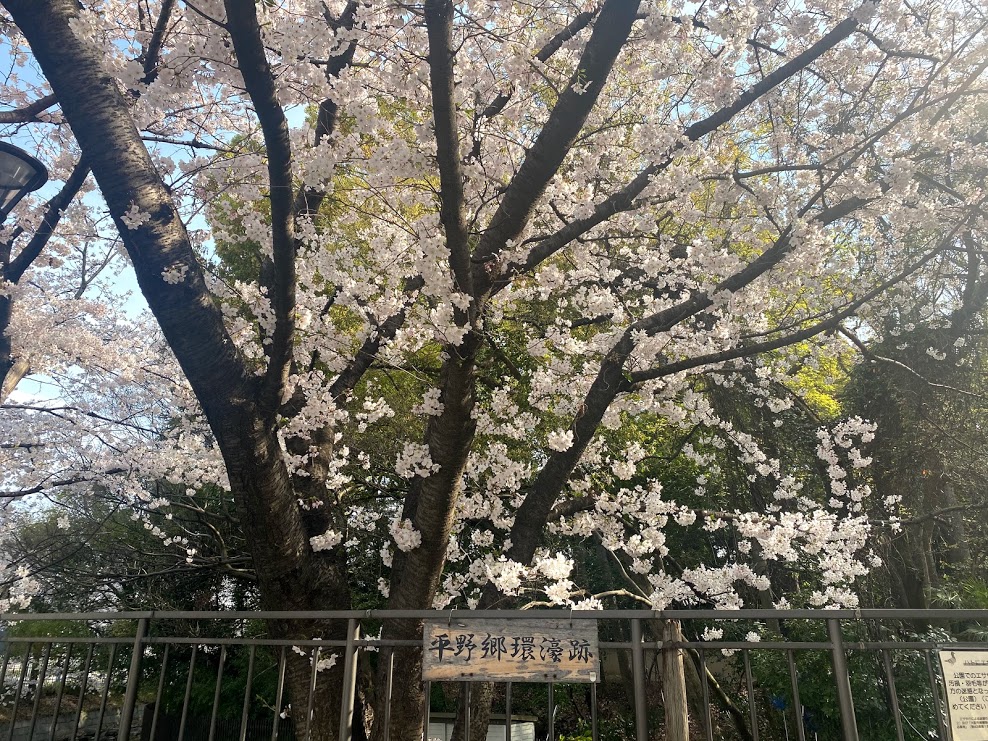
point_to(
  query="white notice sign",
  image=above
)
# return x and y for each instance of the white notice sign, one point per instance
(965, 676)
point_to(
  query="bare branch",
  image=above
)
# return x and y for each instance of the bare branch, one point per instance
(938, 513)
(882, 47)
(863, 349)
(16, 493)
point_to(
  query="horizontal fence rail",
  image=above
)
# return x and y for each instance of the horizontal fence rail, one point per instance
(748, 675)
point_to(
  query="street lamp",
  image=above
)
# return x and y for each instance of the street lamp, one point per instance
(20, 173)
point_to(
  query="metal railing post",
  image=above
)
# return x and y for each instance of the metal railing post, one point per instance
(39, 689)
(426, 710)
(349, 680)
(388, 691)
(849, 725)
(638, 672)
(133, 681)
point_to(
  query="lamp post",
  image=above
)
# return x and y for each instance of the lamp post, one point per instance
(20, 173)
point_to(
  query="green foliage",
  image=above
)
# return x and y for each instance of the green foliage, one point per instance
(869, 685)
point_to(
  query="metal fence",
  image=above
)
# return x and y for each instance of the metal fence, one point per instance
(802, 675)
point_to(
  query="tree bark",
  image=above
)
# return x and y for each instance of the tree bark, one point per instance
(677, 717)
(431, 507)
(959, 551)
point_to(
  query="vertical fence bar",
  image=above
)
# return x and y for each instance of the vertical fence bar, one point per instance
(594, 730)
(216, 694)
(849, 725)
(244, 713)
(893, 695)
(313, 677)
(797, 705)
(133, 680)
(20, 688)
(752, 703)
(466, 712)
(638, 673)
(160, 693)
(82, 690)
(61, 691)
(279, 694)
(427, 689)
(3, 671)
(507, 711)
(350, 681)
(3, 667)
(552, 713)
(106, 689)
(39, 689)
(389, 691)
(708, 721)
(942, 733)
(188, 693)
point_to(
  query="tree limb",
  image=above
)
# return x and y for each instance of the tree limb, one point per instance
(439, 24)
(245, 32)
(29, 113)
(624, 199)
(54, 209)
(554, 141)
(149, 59)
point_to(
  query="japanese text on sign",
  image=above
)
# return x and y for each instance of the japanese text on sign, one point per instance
(965, 678)
(511, 650)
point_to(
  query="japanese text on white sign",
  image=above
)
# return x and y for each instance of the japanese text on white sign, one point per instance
(965, 677)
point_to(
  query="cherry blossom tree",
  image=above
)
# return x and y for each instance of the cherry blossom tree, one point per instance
(548, 221)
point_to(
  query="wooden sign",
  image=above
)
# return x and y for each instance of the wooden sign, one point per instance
(965, 679)
(510, 651)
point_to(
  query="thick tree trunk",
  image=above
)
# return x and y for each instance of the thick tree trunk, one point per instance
(290, 575)
(481, 699)
(959, 551)
(431, 507)
(326, 688)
